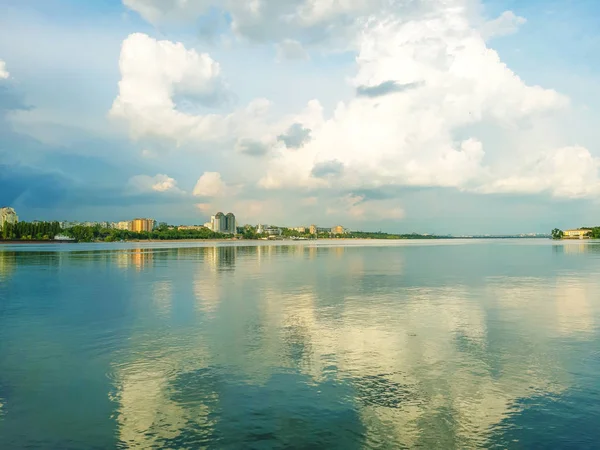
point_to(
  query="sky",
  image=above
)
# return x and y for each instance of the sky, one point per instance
(431, 116)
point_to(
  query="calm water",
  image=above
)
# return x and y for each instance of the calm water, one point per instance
(359, 345)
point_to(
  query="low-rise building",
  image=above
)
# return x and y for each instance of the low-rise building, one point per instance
(338, 229)
(313, 229)
(124, 225)
(583, 233)
(8, 215)
(272, 231)
(191, 227)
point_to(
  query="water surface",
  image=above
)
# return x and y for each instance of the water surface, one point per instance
(430, 344)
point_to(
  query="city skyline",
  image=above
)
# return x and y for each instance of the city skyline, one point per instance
(375, 115)
(146, 224)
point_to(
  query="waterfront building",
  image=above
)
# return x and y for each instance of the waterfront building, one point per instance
(142, 225)
(313, 229)
(191, 227)
(8, 215)
(272, 231)
(299, 229)
(230, 225)
(338, 229)
(583, 233)
(123, 225)
(221, 223)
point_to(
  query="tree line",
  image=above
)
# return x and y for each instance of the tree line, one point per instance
(30, 231)
(27, 231)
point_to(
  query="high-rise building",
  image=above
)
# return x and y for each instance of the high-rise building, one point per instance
(221, 223)
(141, 225)
(230, 225)
(218, 221)
(8, 215)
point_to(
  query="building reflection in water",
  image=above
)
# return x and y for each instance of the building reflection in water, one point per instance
(215, 263)
(423, 363)
(574, 247)
(8, 262)
(137, 258)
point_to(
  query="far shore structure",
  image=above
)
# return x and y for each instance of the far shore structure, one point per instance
(583, 233)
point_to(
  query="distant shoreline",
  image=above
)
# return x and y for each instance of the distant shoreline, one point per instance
(154, 241)
(41, 241)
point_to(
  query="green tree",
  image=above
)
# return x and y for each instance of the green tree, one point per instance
(557, 234)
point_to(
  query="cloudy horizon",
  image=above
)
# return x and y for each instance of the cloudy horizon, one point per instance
(431, 116)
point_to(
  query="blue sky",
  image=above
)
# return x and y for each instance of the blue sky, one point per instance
(454, 116)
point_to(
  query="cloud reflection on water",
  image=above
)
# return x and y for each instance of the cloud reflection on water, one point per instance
(234, 344)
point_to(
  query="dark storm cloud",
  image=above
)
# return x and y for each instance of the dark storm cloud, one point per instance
(296, 136)
(327, 168)
(385, 88)
(31, 187)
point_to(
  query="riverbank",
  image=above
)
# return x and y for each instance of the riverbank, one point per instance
(40, 241)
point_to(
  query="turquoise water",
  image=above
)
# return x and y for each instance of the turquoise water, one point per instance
(437, 344)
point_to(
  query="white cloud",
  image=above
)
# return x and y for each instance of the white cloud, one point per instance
(289, 49)
(408, 136)
(153, 74)
(157, 183)
(507, 23)
(271, 20)
(210, 184)
(3, 71)
(426, 84)
(569, 172)
(156, 74)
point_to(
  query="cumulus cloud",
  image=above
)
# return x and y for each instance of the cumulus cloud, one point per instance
(507, 23)
(157, 77)
(157, 183)
(210, 184)
(3, 71)
(270, 20)
(450, 82)
(153, 74)
(165, 11)
(568, 172)
(433, 54)
(289, 49)
(295, 136)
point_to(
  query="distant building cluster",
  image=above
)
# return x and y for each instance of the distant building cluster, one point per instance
(8, 215)
(222, 223)
(311, 229)
(190, 227)
(338, 229)
(136, 225)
